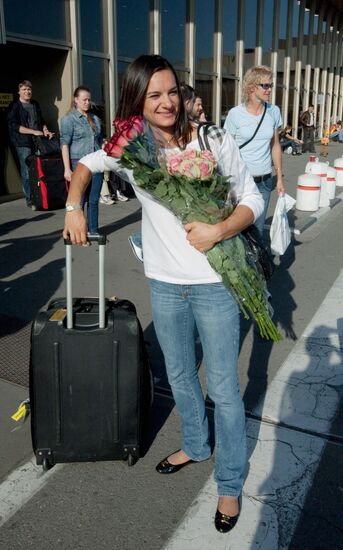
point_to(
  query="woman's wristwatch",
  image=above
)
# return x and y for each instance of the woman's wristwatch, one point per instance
(71, 207)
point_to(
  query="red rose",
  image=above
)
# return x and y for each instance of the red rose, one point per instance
(125, 131)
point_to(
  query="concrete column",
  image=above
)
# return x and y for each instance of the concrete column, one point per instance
(239, 52)
(340, 100)
(75, 36)
(275, 46)
(337, 77)
(155, 27)
(190, 41)
(259, 33)
(309, 59)
(218, 64)
(2, 24)
(298, 65)
(113, 61)
(332, 63)
(318, 57)
(324, 76)
(287, 63)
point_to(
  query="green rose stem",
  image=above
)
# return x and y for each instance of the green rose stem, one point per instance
(204, 201)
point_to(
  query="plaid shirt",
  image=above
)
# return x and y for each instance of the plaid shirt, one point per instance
(211, 131)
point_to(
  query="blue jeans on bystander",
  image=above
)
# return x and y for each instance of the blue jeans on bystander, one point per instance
(23, 153)
(265, 188)
(177, 311)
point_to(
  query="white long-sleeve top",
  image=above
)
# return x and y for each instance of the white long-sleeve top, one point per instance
(168, 256)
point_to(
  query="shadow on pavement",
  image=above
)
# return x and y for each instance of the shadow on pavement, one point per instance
(123, 222)
(301, 485)
(320, 522)
(15, 224)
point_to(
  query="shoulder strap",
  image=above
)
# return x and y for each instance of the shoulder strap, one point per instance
(204, 143)
(257, 129)
(206, 130)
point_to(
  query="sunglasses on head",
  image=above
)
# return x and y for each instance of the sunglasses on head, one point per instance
(267, 86)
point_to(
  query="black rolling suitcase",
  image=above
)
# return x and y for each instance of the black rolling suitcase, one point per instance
(90, 382)
(48, 187)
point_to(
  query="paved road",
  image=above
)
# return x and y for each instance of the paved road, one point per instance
(293, 493)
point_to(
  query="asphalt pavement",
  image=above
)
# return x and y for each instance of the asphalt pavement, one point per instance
(293, 492)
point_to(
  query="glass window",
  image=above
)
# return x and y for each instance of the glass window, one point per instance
(315, 26)
(204, 88)
(228, 97)
(132, 29)
(307, 22)
(204, 35)
(230, 8)
(173, 20)
(93, 76)
(295, 20)
(250, 18)
(92, 26)
(268, 23)
(39, 18)
(283, 19)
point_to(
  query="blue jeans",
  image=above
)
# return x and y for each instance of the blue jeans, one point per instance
(339, 134)
(177, 311)
(265, 188)
(91, 199)
(23, 153)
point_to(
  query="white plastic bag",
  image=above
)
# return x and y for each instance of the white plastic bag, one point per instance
(280, 234)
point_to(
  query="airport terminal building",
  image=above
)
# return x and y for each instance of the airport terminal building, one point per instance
(60, 44)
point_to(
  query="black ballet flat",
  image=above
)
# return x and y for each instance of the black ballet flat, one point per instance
(165, 467)
(224, 523)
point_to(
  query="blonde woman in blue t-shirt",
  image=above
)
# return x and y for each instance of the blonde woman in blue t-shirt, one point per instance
(263, 150)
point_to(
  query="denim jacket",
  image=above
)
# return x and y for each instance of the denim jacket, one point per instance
(77, 133)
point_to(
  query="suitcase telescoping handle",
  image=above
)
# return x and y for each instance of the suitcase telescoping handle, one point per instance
(101, 240)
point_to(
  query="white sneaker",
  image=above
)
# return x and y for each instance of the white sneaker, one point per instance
(135, 241)
(106, 199)
(121, 197)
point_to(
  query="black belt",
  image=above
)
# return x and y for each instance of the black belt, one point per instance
(258, 179)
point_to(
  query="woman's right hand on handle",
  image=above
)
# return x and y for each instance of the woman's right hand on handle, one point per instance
(75, 227)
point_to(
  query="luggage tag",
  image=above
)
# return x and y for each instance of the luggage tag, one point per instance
(58, 315)
(21, 414)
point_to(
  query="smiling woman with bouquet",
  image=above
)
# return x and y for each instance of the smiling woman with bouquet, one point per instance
(184, 215)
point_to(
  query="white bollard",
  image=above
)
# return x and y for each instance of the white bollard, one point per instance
(308, 192)
(338, 164)
(331, 182)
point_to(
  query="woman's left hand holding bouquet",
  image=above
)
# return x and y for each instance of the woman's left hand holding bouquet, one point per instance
(204, 236)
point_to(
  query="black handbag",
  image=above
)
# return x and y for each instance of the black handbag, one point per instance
(259, 255)
(47, 147)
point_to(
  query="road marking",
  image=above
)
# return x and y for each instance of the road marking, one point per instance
(282, 461)
(20, 486)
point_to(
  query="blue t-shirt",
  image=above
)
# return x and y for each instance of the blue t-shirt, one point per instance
(242, 125)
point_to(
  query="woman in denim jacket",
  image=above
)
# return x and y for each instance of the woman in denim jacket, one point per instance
(81, 134)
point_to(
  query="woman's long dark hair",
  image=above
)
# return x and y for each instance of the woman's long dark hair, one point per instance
(135, 84)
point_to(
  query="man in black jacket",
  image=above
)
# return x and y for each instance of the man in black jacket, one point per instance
(308, 124)
(25, 120)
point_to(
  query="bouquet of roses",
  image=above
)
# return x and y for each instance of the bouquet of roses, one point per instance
(188, 184)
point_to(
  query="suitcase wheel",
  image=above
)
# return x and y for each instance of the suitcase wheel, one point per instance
(46, 465)
(131, 460)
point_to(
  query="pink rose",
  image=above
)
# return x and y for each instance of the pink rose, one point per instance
(173, 163)
(206, 169)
